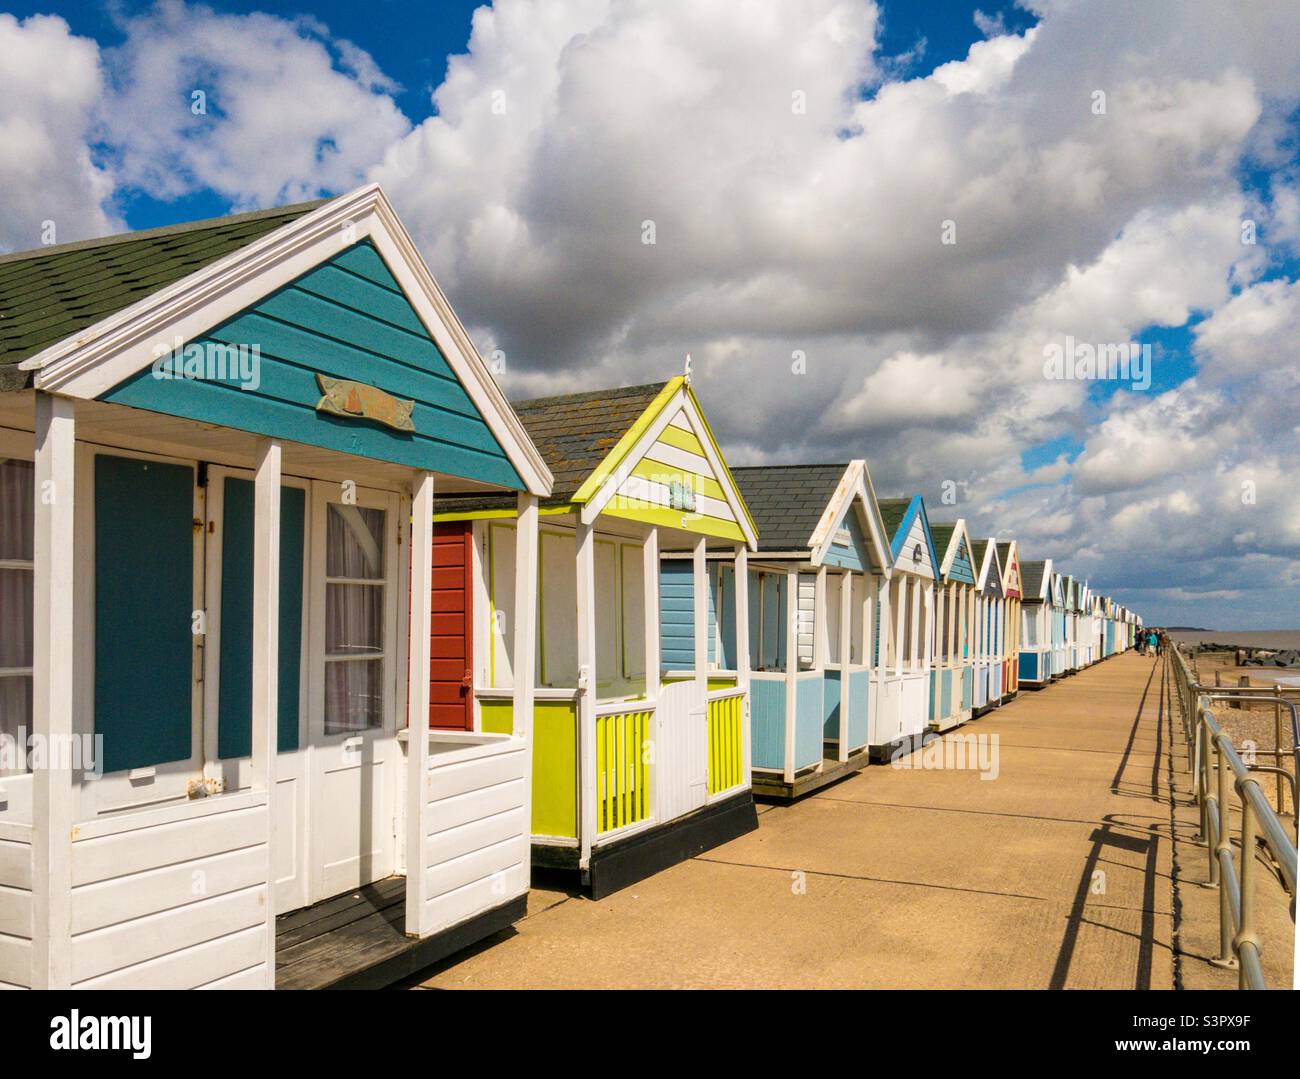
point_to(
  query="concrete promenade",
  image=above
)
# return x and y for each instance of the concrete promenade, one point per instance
(1061, 872)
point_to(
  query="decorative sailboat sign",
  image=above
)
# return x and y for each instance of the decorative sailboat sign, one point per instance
(355, 400)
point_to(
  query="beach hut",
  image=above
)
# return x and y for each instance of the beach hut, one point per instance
(902, 711)
(990, 626)
(816, 580)
(1056, 602)
(952, 678)
(1009, 559)
(1035, 624)
(1090, 626)
(219, 444)
(640, 702)
(1070, 595)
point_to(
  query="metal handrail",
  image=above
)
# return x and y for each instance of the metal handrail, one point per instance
(1219, 773)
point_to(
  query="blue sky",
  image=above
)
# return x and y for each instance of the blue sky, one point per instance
(784, 232)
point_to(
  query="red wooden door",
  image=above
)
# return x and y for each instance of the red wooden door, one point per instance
(451, 636)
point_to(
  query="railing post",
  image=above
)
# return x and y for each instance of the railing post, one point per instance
(1222, 847)
(1246, 934)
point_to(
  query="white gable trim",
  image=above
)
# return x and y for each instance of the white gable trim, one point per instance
(680, 405)
(990, 559)
(91, 362)
(855, 484)
(959, 533)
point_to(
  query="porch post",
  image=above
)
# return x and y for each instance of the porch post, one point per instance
(700, 635)
(266, 655)
(821, 623)
(846, 653)
(417, 702)
(742, 650)
(791, 664)
(650, 590)
(52, 701)
(936, 704)
(900, 638)
(700, 612)
(926, 642)
(586, 630)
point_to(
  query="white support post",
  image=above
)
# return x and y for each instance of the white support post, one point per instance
(926, 640)
(700, 612)
(524, 660)
(417, 703)
(791, 665)
(586, 629)
(266, 654)
(821, 623)
(52, 692)
(914, 656)
(742, 650)
(846, 653)
(650, 588)
(701, 638)
(938, 642)
(897, 596)
(875, 616)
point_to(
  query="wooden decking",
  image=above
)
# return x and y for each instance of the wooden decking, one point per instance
(767, 785)
(358, 940)
(337, 939)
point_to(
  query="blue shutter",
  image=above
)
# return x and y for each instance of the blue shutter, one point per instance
(144, 595)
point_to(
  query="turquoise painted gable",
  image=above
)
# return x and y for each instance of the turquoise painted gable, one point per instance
(854, 555)
(962, 568)
(347, 318)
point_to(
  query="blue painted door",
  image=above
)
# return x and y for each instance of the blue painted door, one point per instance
(144, 538)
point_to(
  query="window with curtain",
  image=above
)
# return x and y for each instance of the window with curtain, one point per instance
(17, 548)
(355, 604)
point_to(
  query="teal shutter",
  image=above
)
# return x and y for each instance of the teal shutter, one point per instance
(235, 690)
(144, 594)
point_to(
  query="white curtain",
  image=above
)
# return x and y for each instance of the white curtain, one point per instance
(17, 540)
(354, 619)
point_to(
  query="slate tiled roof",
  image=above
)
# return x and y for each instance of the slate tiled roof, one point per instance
(892, 512)
(574, 432)
(52, 293)
(1031, 579)
(1004, 552)
(787, 501)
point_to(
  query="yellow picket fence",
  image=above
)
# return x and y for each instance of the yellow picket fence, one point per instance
(622, 775)
(726, 719)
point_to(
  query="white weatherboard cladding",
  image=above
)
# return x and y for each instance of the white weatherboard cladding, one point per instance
(807, 618)
(173, 901)
(915, 537)
(477, 852)
(15, 907)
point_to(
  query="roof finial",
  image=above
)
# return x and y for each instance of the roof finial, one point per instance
(687, 373)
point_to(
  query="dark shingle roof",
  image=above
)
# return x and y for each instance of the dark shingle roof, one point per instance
(1031, 579)
(573, 432)
(1004, 552)
(942, 536)
(892, 512)
(787, 501)
(51, 293)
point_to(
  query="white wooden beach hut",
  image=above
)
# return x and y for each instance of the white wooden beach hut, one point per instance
(219, 445)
